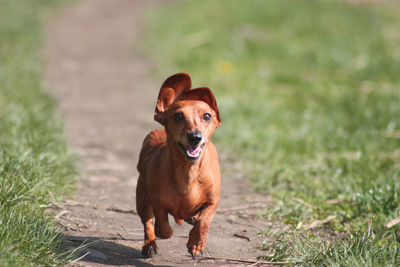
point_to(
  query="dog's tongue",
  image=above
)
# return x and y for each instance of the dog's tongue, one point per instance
(194, 151)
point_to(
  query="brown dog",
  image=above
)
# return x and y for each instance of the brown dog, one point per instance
(178, 166)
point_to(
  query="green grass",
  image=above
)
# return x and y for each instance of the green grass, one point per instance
(35, 166)
(309, 94)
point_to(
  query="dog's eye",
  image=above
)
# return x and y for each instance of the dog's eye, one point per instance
(178, 116)
(207, 117)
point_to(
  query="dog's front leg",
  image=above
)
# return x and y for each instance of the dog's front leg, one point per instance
(198, 234)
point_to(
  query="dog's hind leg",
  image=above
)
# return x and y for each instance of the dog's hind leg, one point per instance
(162, 226)
(145, 211)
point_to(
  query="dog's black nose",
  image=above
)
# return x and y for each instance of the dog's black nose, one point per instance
(194, 138)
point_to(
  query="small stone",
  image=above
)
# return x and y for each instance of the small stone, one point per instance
(231, 219)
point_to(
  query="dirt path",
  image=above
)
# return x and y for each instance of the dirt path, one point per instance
(107, 98)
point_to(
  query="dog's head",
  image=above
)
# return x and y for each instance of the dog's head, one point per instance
(189, 116)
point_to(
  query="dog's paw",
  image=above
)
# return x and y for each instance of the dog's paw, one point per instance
(195, 248)
(195, 252)
(150, 249)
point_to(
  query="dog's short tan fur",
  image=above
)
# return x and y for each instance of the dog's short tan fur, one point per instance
(179, 171)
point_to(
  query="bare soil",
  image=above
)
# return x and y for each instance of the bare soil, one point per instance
(106, 95)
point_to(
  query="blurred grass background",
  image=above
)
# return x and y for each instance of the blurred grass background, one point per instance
(35, 165)
(309, 94)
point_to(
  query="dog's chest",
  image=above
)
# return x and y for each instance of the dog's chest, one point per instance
(185, 202)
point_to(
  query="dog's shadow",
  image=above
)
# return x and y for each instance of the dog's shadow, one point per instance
(98, 250)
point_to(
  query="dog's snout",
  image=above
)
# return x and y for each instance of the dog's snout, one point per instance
(194, 137)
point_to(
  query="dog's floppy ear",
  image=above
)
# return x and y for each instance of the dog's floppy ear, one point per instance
(169, 92)
(206, 95)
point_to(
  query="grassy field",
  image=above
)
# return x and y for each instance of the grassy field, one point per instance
(35, 166)
(309, 93)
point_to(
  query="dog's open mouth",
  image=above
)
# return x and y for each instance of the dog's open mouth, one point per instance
(192, 153)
